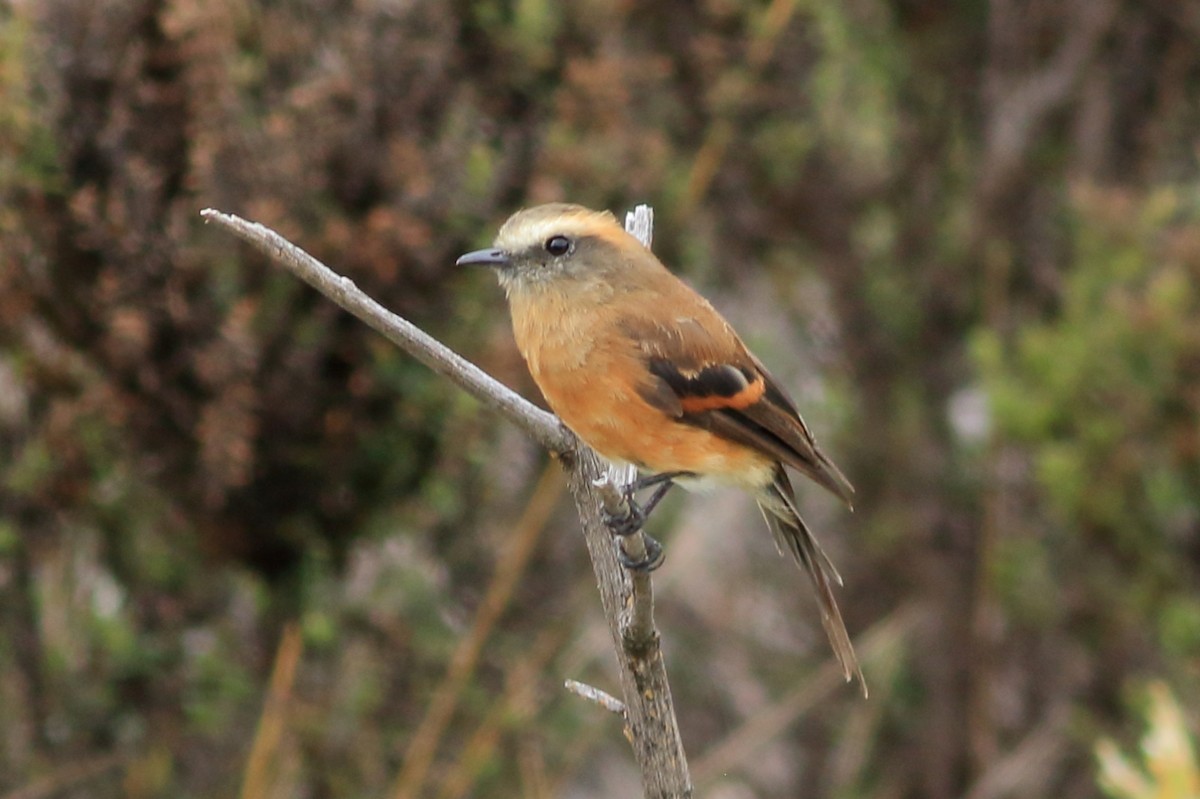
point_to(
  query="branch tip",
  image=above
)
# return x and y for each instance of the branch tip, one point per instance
(597, 696)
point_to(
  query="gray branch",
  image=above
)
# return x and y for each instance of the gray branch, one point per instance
(545, 428)
(628, 602)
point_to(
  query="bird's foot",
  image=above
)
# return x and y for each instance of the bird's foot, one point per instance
(653, 558)
(630, 521)
(634, 518)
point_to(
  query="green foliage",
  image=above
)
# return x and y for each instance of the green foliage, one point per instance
(1024, 576)
(856, 83)
(28, 151)
(787, 145)
(1107, 392)
(217, 690)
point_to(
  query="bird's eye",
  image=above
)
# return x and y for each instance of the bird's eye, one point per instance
(557, 245)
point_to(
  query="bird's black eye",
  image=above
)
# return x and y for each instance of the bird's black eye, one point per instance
(558, 245)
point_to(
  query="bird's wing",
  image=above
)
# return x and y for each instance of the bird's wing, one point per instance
(699, 371)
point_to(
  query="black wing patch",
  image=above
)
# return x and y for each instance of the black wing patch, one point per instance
(718, 380)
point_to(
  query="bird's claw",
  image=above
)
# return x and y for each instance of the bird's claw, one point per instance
(630, 523)
(627, 523)
(653, 558)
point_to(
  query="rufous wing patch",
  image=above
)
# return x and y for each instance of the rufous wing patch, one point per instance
(711, 387)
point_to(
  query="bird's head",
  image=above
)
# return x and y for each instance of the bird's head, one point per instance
(559, 246)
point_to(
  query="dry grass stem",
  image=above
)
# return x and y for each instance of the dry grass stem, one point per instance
(262, 764)
(423, 745)
(517, 702)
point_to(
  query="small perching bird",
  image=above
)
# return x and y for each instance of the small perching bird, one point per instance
(645, 371)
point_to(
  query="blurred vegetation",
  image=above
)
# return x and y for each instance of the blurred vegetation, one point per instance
(245, 546)
(1171, 769)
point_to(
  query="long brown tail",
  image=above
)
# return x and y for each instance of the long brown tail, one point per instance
(778, 507)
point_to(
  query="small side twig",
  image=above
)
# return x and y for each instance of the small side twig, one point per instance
(593, 694)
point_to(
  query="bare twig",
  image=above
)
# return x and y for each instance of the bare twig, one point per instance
(650, 713)
(541, 426)
(593, 694)
(640, 224)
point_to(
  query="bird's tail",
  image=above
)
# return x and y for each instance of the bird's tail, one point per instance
(778, 506)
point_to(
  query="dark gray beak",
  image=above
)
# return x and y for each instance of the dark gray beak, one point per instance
(492, 257)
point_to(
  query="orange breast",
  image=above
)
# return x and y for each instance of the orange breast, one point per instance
(590, 379)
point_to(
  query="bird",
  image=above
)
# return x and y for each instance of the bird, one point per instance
(647, 372)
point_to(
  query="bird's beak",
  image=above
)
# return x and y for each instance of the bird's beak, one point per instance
(492, 257)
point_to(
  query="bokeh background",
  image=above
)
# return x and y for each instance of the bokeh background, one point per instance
(249, 548)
